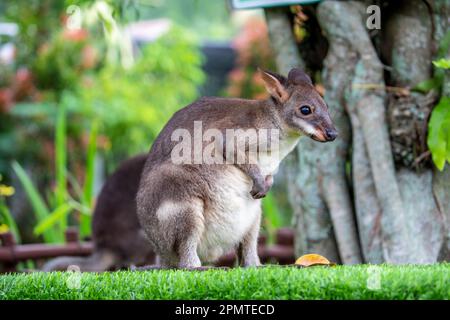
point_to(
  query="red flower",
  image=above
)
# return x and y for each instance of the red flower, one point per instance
(75, 35)
(6, 99)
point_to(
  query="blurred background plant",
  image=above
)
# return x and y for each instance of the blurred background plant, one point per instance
(80, 92)
(133, 106)
(439, 124)
(52, 214)
(75, 94)
(7, 222)
(253, 51)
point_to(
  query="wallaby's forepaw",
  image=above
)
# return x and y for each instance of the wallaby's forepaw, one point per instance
(260, 188)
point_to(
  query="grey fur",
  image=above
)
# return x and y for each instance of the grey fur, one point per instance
(193, 213)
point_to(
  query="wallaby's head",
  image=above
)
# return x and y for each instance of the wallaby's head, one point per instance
(301, 107)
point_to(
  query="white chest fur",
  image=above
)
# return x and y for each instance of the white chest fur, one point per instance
(269, 162)
(232, 215)
(234, 211)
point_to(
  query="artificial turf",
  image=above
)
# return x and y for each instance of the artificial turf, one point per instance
(339, 282)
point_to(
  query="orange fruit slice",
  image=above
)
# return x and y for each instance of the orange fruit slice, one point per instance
(312, 259)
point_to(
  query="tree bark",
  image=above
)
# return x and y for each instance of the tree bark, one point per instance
(314, 232)
(349, 24)
(441, 180)
(333, 157)
(410, 60)
(401, 205)
(342, 56)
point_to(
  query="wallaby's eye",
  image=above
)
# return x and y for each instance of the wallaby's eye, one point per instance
(305, 110)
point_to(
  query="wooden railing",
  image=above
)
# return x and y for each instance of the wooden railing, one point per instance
(11, 253)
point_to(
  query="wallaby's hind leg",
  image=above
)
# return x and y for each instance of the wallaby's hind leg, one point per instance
(187, 252)
(180, 228)
(248, 247)
(187, 238)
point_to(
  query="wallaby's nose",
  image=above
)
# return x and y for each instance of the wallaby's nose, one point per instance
(331, 134)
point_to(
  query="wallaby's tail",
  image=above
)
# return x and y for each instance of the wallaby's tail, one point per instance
(99, 261)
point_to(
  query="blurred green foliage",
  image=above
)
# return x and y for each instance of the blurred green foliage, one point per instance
(439, 133)
(52, 212)
(63, 102)
(36, 20)
(62, 61)
(7, 222)
(70, 67)
(253, 51)
(442, 63)
(133, 105)
(207, 19)
(438, 139)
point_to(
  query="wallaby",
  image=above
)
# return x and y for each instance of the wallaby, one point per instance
(118, 239)
(191, 211)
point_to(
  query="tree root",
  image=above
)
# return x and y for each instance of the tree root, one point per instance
(345, 21)
(312, 220)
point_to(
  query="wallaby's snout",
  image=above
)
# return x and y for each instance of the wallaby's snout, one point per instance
(331, 134)
(324, 135)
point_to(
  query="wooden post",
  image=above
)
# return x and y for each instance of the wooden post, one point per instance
(72, 235)
(9, 242)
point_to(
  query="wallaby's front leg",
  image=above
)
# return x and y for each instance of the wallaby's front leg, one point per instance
(248, 248)
(261, 184)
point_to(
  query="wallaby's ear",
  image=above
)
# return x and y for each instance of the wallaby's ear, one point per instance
(275, 85)
(298, 76)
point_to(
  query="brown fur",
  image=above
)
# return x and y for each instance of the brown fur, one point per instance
(192, 213)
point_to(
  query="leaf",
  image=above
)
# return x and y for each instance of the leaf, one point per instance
(85, 220)
(61, 162)
(439, 133)
(442, 63)
(33, 110)
(53, 218)
(90, 165)
(428, 85)
(36, 201)
(61, 156)
(40, 209)
(444, 45)
(7, 218)
(312, 259)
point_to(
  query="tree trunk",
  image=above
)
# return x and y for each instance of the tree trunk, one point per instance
(393, 207)
(314, 232)
(441, 180)
(410, 60)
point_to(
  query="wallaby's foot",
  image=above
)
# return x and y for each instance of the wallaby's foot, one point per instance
(188, 256)
(149, 267)
(261, 186)
(252, 264)
(206, 268)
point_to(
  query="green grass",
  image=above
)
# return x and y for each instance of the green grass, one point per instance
(340, 282)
